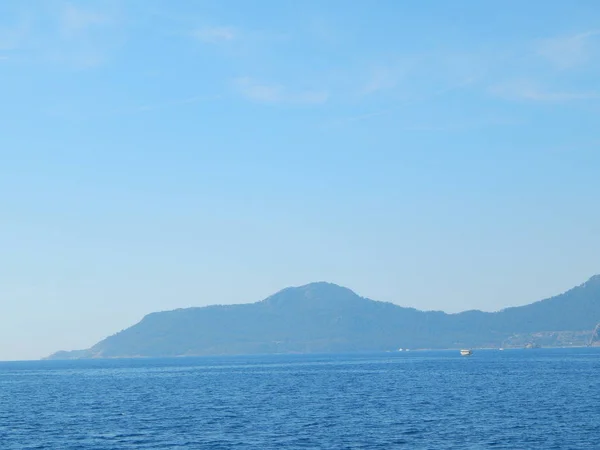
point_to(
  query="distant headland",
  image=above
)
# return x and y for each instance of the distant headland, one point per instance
(325, 318)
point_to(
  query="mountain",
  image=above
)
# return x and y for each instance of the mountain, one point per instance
(324, 317)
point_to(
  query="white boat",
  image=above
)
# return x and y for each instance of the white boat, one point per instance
(466, 352)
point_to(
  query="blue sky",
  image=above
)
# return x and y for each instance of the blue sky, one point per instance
(157, 154)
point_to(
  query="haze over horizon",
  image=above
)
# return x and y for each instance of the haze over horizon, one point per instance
(157, 155)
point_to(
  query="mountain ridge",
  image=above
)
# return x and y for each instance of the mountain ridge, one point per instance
(325, 317)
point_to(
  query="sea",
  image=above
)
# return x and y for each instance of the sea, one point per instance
(511, 399)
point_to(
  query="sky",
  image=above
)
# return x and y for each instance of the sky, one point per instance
(158, 154)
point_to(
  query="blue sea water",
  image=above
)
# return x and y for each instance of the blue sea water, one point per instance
(515, 399)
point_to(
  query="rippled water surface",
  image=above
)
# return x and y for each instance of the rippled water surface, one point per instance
(515, 399)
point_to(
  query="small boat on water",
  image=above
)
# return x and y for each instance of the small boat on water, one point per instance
(466, 352)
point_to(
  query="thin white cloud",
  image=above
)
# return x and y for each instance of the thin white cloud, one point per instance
(446, 125)
(13, 37)
(381, 79)
(548, 96)
(259, 92)
(325, 32)
(410, 75)
(75, 20)
(531, 92)
(367, 116)
(177, 102)
(273, 93)
(569, 51)
(416, 99)
(83, 38)
(70, 35)
(215, 35)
